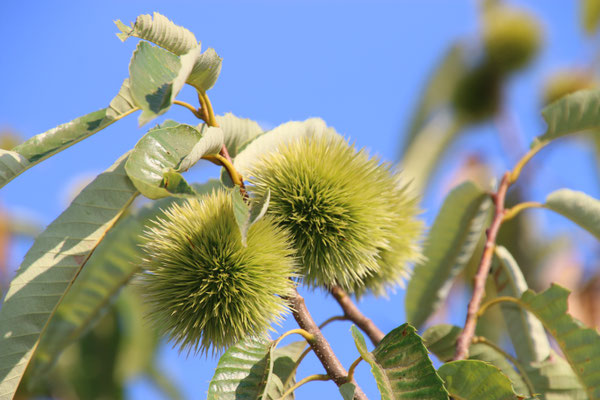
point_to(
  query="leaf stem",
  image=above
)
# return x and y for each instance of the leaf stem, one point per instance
(316, 377)
(352, 313)
(332, 319)
(220, 160)
(514, 174)
(307, 336)
(501, 299)
(321, 346)
(207, 108)
(353, 367)
(308, 349)
(512, 212)
(514, 361)
(190, 107)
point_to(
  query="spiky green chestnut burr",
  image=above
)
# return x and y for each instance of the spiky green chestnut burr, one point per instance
(207, 290)
(347, 213)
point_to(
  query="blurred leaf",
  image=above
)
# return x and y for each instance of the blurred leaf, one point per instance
(347, 391)
(437, 92)
(577, 206)
(45, 145)
(473, 379)
(116, 259)
(580, 345)
(572, 113)
(242, 371)
(51, 264)
(526, 332)
(206, 70)
(441, 341)
(426, 151)
(449, 247)
(237, 131)
(590, 15)
(156, 76)
(282, 135)
(161, 31)
(401, 366)
(166, 149)
(554, 379)
(284, 373)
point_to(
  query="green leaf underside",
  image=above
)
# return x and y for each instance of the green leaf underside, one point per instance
(580, 345)
(438, 90)
(237, 131)
(401, 365)
(153, 73)
(45, 145)
(347, 391)
(160, 31)
(164, 150)
(110, 267)
(451, 242)
(205, 71)
(426, 150)
(280, 136)
(51, 264)
(572, 113)
(526, 331)
(284, 361)
(577, 206)
(474, 379)
(241, 212)
(553, 378)
(253, 370)
(441, 341)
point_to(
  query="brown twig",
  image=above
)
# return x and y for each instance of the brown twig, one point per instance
(320, 346)
(466, 336)
(352, 313)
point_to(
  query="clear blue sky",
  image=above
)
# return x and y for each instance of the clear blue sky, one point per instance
(357, 64)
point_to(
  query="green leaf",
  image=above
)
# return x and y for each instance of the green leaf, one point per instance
(164, 152)
(206, 70)
(573, 113)
(53, 261)
(526, 332)
(156, 76)
(441, 341)
(473, 379)
(237, 131)
(160, 31)
(116, 259)
(45, 145)
(347, 391)
(577, 206)
(242, 371)
(427, 149)
(452, 239)
(241, 212)
(590, 15)
(438, 90)
(580, 345)
(283, 370)
(552, 377)
(401, 366)
(281, 136)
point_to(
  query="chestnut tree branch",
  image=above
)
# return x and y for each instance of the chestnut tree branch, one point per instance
(352, 313)
(320, 346)
(466, 336)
